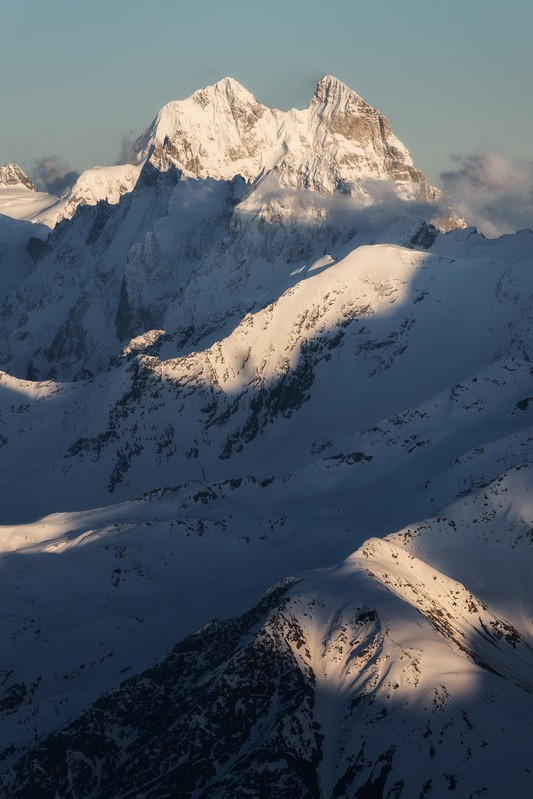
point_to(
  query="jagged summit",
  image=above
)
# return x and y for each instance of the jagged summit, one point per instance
(330, 88)
(12, 175)
(219, 131)
(220, 96)
(338, 142)
(331, 80)
(228, 86)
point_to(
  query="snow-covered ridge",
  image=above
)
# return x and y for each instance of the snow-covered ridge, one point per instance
(336, 675)
(20, 199)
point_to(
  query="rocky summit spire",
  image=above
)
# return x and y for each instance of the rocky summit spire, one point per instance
(12, 175)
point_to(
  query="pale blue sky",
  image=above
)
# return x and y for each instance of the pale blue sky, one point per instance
(77, 75)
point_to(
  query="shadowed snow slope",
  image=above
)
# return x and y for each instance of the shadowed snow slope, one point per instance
(381, 672)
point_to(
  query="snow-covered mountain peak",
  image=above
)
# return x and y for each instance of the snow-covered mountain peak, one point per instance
(218, 132)
(346, 113)
(12, 175)
(338, 143)
(227, 96)
(229, 87)
(332, 90)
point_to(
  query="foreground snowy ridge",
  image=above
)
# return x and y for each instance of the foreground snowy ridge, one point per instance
(324, 688)
(252, 360)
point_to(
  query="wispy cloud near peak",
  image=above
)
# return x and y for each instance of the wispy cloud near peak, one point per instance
(491, 192)
(54, 175)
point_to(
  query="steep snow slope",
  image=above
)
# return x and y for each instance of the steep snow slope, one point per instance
(20, 206)
(16, 263)
(348, 345)
(179, 255)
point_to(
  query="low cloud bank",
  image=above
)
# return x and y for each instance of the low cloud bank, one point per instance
(491, 192)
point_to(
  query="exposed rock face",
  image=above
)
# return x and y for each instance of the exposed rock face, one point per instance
(12, 175)
(218, 132)
(350, 144)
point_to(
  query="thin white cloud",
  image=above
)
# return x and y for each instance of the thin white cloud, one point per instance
(128, 153)
(54, 175)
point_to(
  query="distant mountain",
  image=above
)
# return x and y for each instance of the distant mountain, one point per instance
(20, 200)
(93, 186)
(12, 175)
